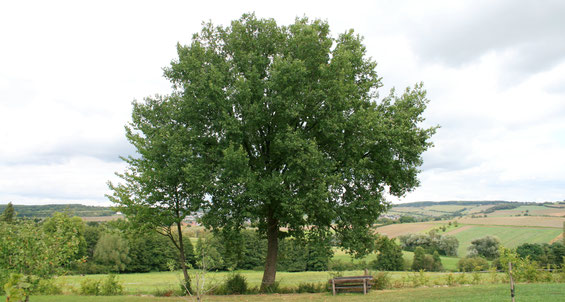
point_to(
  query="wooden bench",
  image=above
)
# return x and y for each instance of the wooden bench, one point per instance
(353, 283)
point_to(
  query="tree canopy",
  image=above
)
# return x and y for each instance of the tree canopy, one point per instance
(282, 127)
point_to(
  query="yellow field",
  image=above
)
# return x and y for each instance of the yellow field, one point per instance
(103, 218)
(395, 230)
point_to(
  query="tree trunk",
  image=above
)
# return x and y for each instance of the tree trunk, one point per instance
(182, 258)
(272, 250)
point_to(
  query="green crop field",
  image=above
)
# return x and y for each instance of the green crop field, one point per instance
(509, 236)
(482, 293)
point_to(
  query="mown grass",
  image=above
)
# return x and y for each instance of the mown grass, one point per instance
(510, 237)
(482, 293)
(150, 282)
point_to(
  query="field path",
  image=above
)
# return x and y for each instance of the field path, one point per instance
(459, 230)
(560, 237)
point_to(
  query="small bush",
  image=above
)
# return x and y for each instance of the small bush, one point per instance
(164, 292)
(89, 287)
(381, 281)
(273, 288)
(4, 276)
(235, 284)
(451, 280)
(17, 288)
(461, 279)
(311, 288)
(48, 287)
(111, 286)
(476, 277)
(472, 264)
(419, 279)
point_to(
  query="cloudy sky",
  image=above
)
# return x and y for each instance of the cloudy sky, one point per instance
(494, 71)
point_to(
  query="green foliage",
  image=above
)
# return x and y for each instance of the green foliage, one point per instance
(390, 256)
(235, 284)
(111, 286)
(68, 233)
(281, 126)
(532, 250)
(471, 264)
(437, 266)
(498, 207)
(9, 214)
(544, 254)
(27, 248)
(426, 262)
(406, 219)
(112, 251)
(42, 211)
(149, 251)
(486, 247)
(444, 244)
(312, 254)
(17, 288)
(92, 232)
(89, 287)
(311, 287)
(48, 287)
(381, 280)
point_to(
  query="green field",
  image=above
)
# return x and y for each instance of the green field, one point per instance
(509, 236)
(482, 293)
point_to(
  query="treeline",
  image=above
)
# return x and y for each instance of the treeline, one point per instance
(42, 211)
(421, 204)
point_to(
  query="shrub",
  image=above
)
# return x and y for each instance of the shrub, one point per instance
(311, 288)
(485, 247)
(472, 264)
(381, 281)
(419, 279)
(48, 287)
(89, 287)
(17, 289)
(164, 292)
(273, 288)
(235, 284)
(389, 257)
(111, 286)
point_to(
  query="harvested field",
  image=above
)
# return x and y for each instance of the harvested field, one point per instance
(446, 208)
(531, 210)
(103, 218)
(395, 230)
(558, 238)
(459, 230)
(535, 221)
(478, 209)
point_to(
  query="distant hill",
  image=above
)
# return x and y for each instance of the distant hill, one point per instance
(41, 211)
(454, 202)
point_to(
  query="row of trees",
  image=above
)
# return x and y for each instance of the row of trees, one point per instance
(431, 242)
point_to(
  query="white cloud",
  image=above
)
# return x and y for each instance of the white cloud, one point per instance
(494, 72)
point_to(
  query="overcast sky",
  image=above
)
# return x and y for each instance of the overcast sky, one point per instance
(494, 72)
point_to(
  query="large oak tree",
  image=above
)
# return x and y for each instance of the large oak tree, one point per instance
(287, 125)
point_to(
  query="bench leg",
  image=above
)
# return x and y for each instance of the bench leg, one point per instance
(333, 286)
(364, 286)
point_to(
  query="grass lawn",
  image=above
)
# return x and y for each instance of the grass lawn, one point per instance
(510, 237)
(146, 283)
(481, 293)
